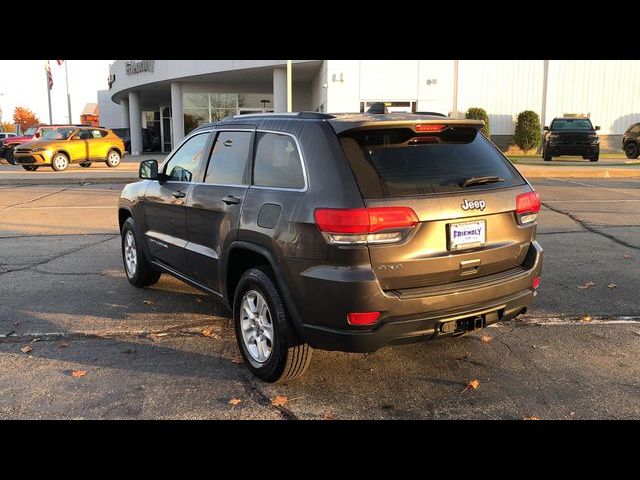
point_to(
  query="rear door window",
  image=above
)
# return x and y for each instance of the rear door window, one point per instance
(228, 160)
(398, 162)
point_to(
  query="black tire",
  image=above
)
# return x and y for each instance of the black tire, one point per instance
(59, 165)
(113, 158)
(30, 168)
(290, 356)
(632, 150)
(85, 164)
(545, 156)
(595, 158)
(144, 274)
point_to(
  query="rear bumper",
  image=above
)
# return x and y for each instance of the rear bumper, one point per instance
(323, 301)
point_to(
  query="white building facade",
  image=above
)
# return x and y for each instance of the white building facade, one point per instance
(171, 97)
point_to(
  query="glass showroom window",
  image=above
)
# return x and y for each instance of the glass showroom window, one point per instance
(200, 108)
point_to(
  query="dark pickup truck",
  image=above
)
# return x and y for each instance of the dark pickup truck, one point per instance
(571, 136)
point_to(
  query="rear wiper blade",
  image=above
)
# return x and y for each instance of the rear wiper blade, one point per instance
(480, 180)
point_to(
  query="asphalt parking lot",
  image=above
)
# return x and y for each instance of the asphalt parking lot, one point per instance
(66, 306)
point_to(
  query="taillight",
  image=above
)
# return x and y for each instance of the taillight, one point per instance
(365, 318)
(365, 225)
(527, 207)
(535, 283)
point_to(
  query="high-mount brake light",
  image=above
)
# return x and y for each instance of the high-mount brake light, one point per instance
(365, 225)
(527, 207)
(430, 127)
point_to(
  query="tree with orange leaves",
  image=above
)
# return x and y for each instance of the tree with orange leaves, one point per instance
(25, 118)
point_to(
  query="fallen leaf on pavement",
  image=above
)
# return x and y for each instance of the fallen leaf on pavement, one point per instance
(637, 332)
(586, 285)
(486, 338)
(237, 360)
(612, 285)
(531, 418)
(585, 319)
(26, 349)
(472, 384)
(328, 416)
(148, 302)
(627, 256)
(78, 373)
(157, 336)
(279, 401)
(63, 344)
(234, 401)
(208, 332)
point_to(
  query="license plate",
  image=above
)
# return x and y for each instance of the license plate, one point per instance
(467, 234)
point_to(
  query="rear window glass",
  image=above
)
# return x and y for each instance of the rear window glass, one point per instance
(398, 162)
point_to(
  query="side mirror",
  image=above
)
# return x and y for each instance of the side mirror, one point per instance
(546, 129)
(148, 170)
(597, 127)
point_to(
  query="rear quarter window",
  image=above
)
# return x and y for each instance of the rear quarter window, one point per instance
(398, 162)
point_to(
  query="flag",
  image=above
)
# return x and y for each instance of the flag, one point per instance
(59, 62)
(47, 68)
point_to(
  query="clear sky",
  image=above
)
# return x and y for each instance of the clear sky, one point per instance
(23, 83)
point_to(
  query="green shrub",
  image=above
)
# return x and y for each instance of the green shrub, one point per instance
(528, 132)
(480, 114)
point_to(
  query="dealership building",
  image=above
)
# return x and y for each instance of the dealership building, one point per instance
(169, 98)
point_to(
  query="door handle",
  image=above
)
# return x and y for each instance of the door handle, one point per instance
(231, 200)
(179, 194)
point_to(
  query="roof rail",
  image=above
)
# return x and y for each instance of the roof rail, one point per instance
(306, 115)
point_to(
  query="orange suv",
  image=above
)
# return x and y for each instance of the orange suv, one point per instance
(58, 147)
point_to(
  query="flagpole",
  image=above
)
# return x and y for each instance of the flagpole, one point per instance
(48, 95)
(66, 75)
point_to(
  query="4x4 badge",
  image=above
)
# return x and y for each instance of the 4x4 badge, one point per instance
(473, 205)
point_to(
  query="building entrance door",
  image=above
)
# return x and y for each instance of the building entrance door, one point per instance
(166, 138)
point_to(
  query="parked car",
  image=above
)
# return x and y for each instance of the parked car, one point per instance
(4, 135)
(631, 141)
(571, 136)
(8, 145)
(58, 147)
(339, 232)
(150, 142)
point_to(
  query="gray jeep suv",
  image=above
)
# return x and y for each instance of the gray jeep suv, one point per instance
(340, 232)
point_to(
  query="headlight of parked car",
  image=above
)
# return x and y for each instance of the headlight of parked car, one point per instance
(594, 140)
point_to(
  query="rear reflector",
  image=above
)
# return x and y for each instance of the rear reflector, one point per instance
(366, 318)
(430, 128)
(364, 220)
(528, 203)
(536, 283)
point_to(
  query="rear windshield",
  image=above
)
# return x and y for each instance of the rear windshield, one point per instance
(571, 124)
(398, 162)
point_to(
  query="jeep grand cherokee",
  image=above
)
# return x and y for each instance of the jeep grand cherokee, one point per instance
(341, 232)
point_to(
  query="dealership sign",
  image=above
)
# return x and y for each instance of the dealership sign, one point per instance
(133, 67)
